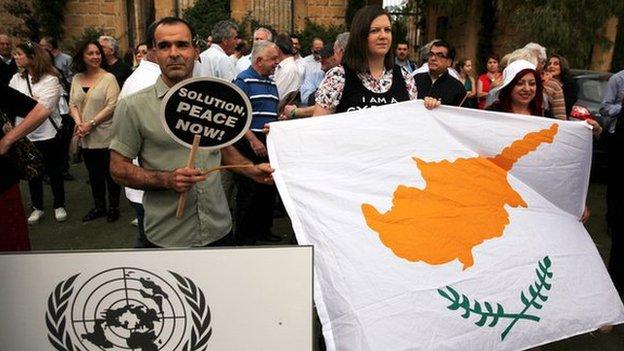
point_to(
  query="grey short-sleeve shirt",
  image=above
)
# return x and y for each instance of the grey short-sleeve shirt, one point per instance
(138, 132)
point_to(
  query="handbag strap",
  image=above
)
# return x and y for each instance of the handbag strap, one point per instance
(57, 128)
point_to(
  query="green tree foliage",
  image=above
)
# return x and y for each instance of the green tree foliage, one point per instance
(205, 13)
(50, 14)
(89, 33)
(567, 27)
(313, 30)
(21, 10)
(486, 33)
(41, 17)
(399, 23)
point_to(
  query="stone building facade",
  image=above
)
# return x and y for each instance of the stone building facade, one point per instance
(463, 32)
(127, 19)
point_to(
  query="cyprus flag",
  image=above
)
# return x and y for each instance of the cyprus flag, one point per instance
(450, 229)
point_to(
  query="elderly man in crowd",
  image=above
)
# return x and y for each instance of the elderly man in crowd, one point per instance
(7, 64)
(117, 67)
(224, 38)
(259, 34)
(255, 201)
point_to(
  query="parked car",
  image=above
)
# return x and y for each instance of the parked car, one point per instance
(591, 87)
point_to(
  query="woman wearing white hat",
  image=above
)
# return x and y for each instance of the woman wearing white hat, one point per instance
(521, 91)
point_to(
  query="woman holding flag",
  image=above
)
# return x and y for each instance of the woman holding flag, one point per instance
(368, 76)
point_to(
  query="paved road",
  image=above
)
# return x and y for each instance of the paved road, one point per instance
(73, 235)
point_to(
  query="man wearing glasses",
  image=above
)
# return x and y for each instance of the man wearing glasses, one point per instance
(437, 82)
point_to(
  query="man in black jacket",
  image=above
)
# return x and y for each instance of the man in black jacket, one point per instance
(7, 64)
(437, 83)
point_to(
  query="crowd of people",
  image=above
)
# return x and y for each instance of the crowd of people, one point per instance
(111, 110)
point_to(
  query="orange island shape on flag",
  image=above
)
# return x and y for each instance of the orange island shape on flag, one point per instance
(462, 204)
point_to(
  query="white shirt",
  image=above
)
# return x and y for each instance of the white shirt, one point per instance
(425, 68)
(46, 91)
(301, 65)
(222, 66)
(287, 77)
(243, 63)
(202, 69)
(7, 60)
(145, 75)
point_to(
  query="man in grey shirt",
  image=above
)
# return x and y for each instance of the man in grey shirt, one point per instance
(162, 173)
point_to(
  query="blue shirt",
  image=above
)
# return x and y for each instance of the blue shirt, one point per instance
(262, 93)
(612, 100)
(311, 83)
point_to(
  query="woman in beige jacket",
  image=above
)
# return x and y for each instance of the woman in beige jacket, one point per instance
(92, 102)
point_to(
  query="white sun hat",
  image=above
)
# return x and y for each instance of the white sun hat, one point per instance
(513, 69)
(509, 73)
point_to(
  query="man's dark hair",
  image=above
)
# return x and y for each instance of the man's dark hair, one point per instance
(284, 43)
(400, 42)
(171, 21)
(78, 64)
(356, 52)
(449, 48)
(295, 36)
(52, 41)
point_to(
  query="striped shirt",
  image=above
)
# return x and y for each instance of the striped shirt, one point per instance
(262, 93)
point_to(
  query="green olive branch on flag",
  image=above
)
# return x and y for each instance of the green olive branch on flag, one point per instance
(536, 292)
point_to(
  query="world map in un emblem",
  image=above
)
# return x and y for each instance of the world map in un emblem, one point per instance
(126, 308)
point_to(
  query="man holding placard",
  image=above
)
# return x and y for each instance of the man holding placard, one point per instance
(164, 173)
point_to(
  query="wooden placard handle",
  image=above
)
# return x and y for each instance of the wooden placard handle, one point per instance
(190, 164)
(220, 168)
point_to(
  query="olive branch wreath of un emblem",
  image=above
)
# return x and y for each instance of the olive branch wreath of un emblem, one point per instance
(537, 293)
(59, 300)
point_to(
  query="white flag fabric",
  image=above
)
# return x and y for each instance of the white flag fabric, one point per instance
(444, 230)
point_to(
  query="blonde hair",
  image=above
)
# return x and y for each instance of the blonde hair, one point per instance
(523, 54)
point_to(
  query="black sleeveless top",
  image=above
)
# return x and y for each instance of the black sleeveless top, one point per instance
(356, 97)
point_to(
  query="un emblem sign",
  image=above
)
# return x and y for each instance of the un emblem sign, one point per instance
(128, 308)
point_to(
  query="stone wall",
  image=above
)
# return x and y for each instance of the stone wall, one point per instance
(327, 12)
(324, 12)
(110, 15)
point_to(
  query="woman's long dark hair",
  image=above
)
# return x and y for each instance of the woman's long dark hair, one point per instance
(504, 102)
(78, 64)
(356, 52)
(41, 62)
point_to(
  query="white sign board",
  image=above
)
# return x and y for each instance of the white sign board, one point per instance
(191, 299)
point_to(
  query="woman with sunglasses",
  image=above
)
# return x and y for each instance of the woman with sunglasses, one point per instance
(39, 79)
(368, 76)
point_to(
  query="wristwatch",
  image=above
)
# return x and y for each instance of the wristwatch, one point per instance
(93, 124)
